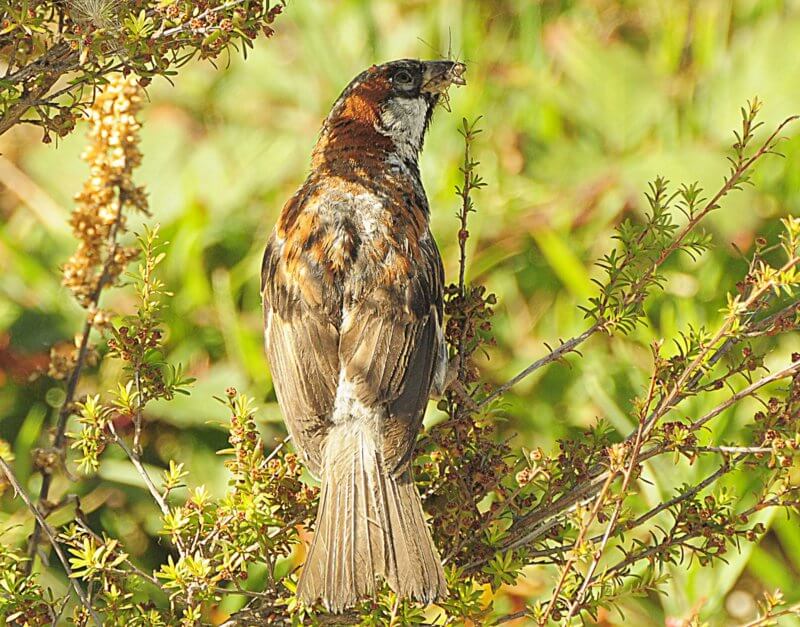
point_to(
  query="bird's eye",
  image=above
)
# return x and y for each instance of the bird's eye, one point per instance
(402, 77)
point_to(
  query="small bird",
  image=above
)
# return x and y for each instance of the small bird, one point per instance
(352, 285)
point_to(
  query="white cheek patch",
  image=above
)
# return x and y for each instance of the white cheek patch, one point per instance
(403, 119)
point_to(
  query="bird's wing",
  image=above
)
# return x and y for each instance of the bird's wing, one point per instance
(302, 346)
(390, 348)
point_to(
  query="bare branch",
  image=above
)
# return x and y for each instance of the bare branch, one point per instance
(59, 439)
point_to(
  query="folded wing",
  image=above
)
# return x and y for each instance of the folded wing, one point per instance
(302, 341)
(390, 349)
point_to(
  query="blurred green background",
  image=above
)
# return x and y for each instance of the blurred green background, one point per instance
(582, 102)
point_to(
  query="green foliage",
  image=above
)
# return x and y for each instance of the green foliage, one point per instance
(582, 105)
(22, 597)
(84, 41)
(93, 437)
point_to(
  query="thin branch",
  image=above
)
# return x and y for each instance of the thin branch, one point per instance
(683, 540)
(137, 416)
(138, 571)
(137, 463)
(46, 67)
(51, 536)
(544, 518)
(727, 467)
(563, 349)
(724, 469)
(509, 617)
(730, 450)
(277, 449)
(729, 184)
(463, 235)
(184, 28)
(59, 440)
(769, 618)
(691, 375)
(784, 372)
(151, 487)
(633, 464)
(598, 503)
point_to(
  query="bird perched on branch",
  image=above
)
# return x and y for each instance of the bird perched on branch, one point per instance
(352, 284)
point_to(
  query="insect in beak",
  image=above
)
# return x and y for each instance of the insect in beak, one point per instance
(438, 76)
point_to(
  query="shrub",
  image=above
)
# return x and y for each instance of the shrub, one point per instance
(494, 510)
(63, 52)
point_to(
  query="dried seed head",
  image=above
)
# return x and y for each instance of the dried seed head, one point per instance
(98, 217)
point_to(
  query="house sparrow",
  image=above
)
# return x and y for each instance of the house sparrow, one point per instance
(352, 285)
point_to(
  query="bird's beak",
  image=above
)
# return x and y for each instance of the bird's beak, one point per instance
(439, 75)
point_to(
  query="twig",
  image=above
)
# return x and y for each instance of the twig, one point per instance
(151, 487)
(48, 68)
(729, 184)
(725, 468)
(19, 490)
(277, 449)
(694, 371)
(182, 28)
(138, 571)
(792, 610)
(509, 617)
(631, 466)
(683, 539)
(470, 183)
(137, 463)
(729, 450)
(554, 355)
(395, 607)
(598, 503)
(687, 494)
(542, 519)
(137, 416)
(748, 391)
(59, 439)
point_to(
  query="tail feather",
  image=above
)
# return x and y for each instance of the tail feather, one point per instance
(370, 525)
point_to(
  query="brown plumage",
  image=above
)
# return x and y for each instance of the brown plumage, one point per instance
(352, 284)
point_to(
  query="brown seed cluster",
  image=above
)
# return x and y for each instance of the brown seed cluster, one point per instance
(776, 425)
(99, 215)
(469, 325)
(132, 344)
(64, 357)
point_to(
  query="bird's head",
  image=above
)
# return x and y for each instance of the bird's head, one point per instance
(389, 106)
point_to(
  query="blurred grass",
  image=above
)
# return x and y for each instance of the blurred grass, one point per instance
(582, 104)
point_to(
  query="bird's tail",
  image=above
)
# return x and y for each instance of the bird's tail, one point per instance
(369, 524)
